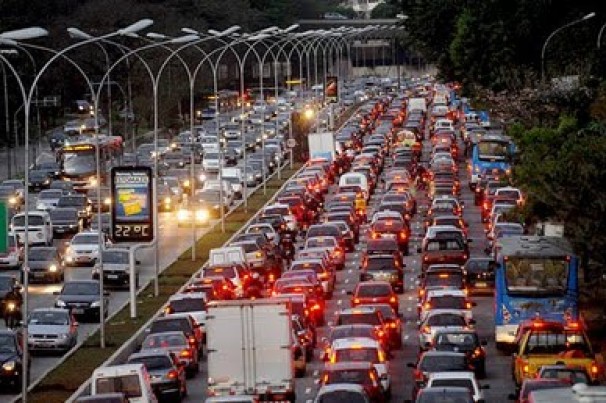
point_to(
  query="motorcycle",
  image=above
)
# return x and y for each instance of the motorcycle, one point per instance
(12, 314)
(288, 248)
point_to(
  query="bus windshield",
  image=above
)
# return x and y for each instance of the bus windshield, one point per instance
(492, 150)
(81, 163)
(536, 276)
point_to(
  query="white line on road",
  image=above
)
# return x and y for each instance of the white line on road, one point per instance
(409, 309)
(316, 373)
(346, 280)
(339, 302)
(307, 391)
(406, 337)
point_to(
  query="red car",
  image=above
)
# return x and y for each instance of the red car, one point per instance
(375, 292)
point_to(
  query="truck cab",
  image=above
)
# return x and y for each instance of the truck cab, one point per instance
(549, 343)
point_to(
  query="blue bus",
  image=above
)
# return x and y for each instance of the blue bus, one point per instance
(491, 152)
(535, 276)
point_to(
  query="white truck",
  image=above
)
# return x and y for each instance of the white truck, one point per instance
(250, 350)
(321, 145)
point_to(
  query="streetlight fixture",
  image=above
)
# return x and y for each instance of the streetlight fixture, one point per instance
(600, 35)
(584, 18)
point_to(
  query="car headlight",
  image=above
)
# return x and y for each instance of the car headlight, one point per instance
(201, 215)
(64, 335)
(182, 215)
(186, 183)
(60, 303)
(52, 268)
(95, 304)
(12, 200)
(167, 200)
(107, 201)
(9, 366)
(202, 178)
(92, 181)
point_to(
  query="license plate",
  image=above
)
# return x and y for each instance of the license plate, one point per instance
(78, 311)
(481, 284)
(112, 276)
(388, 236)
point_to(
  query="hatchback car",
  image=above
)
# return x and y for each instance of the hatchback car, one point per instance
(360, 373)
(167, 375)
(52, 329)
(175, 342)
(375, 292)
(440, 320)
(82, 298)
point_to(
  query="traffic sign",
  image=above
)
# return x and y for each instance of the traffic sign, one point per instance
(132, 204)
(291, 143)
(3, 228)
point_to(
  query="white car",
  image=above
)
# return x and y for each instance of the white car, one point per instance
(446, 299)
(362, 349)
(443, 124)
(214, 184)
(12, 258)
(267, 229)
(440, 320)
(48, 199)
(433, 231)
(83, 249)
(212, 161)
(465, 379)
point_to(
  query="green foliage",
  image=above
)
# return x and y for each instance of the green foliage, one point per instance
(563, 172)
(385, 10)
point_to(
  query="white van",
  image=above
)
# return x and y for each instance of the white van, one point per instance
(131, 379)
(226, 255)
(355, 179)
(40, 228)
(235, 178)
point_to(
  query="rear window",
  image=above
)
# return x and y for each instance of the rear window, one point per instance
(463, 383)
(353, 331)
(358, 354)
(127, 384)
(226, 272)
(446, 320)
(317, 267)
(447, 302)
(444, 280)
(188, 305)
(359, 318)
(377, 290)
(444, 245)
(342, 396)
(388, 226)
(386, 263)
(177, 324)
(357, 376)
(153, 362)
(443, 363)
(328, 230)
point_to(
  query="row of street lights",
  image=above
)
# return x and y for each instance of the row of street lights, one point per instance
(273, 40)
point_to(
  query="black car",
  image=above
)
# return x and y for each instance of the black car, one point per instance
(50, 167)
(80, 202)
(105, 223)
(65, 220)
(65, 187)
(230, 156)
(463, 341)
(480, 275)
(82, 298)
(167, 375)
(11, 360)
(99, 201)
(57, 140)
(39, 180)
(45, 263)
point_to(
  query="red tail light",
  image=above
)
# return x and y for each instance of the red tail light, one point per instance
(192, 340)
(393, 300)
(403, 235)
(419, 377)
(356, 300)
(426, 330)
(172, 374)
(315, 307)
(185, 354)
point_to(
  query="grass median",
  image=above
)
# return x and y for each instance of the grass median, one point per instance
(64, 380)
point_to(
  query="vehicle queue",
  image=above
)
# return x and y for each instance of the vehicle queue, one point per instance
(401, 160)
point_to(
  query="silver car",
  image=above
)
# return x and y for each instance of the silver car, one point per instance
(52, 329)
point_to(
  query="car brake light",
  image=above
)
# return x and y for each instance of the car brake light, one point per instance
(526, 368)
(192, 340)
(356, 300)
(403, 234)
(477, 352)
(393, 300)
(426, 330)
(594, 368)
(427, 305)
(418, 375)
(315, 307)
(172, 374)
(381, 356)
(185, 354)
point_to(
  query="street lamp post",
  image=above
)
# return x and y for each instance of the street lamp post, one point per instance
(600, 36)
(584, 18)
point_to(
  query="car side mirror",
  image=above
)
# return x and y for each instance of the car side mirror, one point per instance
(484, 343)
(419, 250)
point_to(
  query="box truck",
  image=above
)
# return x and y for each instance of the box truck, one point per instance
(321, 145)
(250, 349)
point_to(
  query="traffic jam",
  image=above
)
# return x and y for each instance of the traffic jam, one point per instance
(390, 270)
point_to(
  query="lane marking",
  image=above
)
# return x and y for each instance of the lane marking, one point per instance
(307, 391)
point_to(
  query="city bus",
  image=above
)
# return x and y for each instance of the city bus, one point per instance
(491, 152)
(77, 160)
(535, 277)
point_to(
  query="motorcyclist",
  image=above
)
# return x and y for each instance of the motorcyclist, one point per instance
(288, 248)
(12, 307)
(255, 286)
(360, 206)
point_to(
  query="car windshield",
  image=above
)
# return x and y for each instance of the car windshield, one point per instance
(370, 318)
(209, 196)
(7, 344)
(566, 374)
(114, 257)
(556, 342)
(478, 266)
(71, 201)
(341, 396)
(80, 289)
(129, 385)
(49, 318)
(442, 363)
(492, 150)
(19, 220)
(357, 354)
(79, 163)
(375, 290)
(536, 276)
(446, 319)
(42, 254)
(153, 362)
(458, 341)
(85, 239)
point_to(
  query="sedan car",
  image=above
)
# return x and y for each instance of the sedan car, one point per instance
(174, 342)
(116, 268)
(82, 298)
(48, 199)
(52, 329)
(11, 359)
(375, 292)
(83, 249)
(440, 320)
(464, 341)
(45, 264)
(167, 375)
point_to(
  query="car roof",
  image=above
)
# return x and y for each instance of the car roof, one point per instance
(348, 365)
(452, 375)
(436, 312)
(445, 292)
